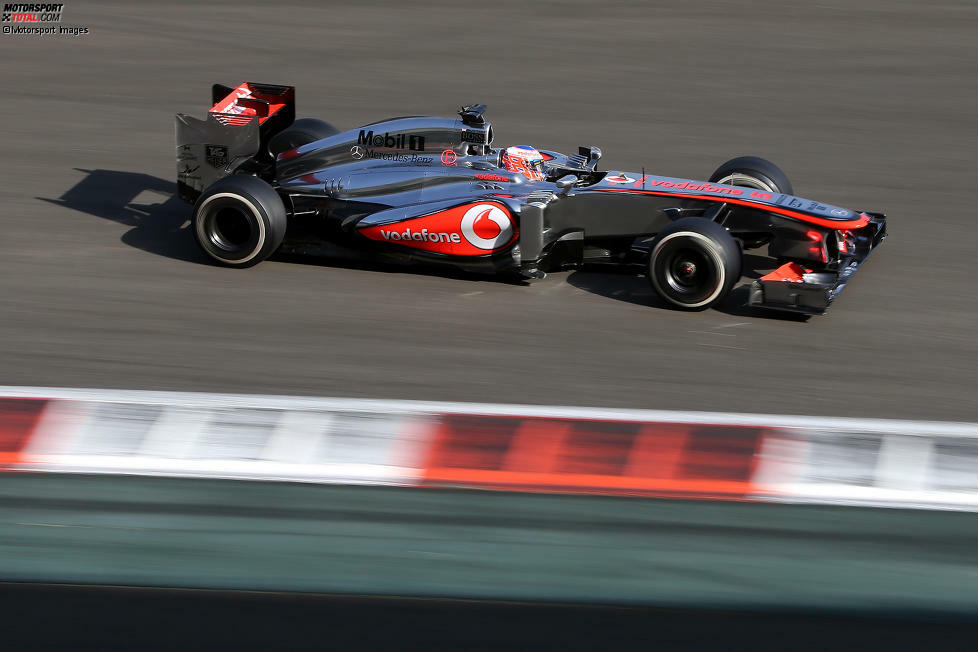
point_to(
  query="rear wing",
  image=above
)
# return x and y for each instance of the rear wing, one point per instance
(236, 132)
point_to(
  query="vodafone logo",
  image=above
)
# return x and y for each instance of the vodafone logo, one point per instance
(486, 226)
(473, 229)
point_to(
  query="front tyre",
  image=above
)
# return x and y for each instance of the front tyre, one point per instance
(753, 172)
(694, 263)
(239, 221)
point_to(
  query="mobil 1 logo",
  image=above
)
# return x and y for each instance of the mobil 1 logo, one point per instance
(391, 141)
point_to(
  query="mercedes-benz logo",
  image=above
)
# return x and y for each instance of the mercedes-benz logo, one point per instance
(357, 151)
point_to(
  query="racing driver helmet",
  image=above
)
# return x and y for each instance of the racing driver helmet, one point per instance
(524, 160)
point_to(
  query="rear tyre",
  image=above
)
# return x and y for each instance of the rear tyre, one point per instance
(753, 172)
(301, 132)
(694, 263)
(239, 221)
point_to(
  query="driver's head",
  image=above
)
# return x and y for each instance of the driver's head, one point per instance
(525, 160)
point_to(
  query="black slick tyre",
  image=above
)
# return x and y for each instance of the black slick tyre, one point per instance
(694, 263)
(753, 172)
(301, 132)
(239, 221)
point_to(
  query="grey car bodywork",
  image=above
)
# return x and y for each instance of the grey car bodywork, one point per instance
(432, 190)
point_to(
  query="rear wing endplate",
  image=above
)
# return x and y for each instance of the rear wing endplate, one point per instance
(236, 131)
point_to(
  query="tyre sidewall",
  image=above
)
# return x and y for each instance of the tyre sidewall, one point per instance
(705, 237)
(257, 203)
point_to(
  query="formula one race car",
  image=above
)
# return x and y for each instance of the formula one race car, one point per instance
(434, 190)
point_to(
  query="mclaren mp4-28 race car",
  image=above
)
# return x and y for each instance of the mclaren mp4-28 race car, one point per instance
(434, 190)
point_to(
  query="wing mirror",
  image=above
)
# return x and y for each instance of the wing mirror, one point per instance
(566, 181)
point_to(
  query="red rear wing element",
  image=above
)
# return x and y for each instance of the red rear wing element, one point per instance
(236, 107)
(236, 132)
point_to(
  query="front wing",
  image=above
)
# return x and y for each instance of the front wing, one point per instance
(793, 288)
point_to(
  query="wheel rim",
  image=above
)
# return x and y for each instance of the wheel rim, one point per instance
(686, 270)
(230, 228)
(747, 181)
(689, 273)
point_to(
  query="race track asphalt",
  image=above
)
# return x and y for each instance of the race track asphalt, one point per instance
(868, 104)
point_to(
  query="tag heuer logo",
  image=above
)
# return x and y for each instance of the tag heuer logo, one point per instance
(216, 155)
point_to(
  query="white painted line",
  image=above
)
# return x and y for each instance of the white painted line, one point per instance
(175, 432)
(845, 494)
(115, 428)
(296, 436)
(372, 474)
(364, 439)
(235, 434)
(904, 462)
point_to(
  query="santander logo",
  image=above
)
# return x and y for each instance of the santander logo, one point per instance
(466, 230)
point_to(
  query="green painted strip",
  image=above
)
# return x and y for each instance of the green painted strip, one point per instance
(397, 541)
